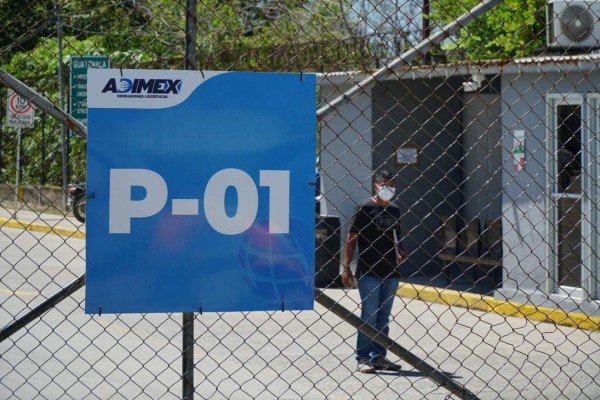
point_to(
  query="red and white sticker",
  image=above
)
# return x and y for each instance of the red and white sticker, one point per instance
(20, 113)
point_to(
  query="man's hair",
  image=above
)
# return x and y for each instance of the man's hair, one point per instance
(384, 175)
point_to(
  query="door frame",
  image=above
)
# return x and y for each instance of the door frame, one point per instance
(590, 192)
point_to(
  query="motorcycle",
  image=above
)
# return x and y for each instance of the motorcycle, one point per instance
(76, 200)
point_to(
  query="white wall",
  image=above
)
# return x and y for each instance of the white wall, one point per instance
(527, 226)
(346, 160)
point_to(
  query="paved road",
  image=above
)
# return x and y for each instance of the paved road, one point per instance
(288, 355)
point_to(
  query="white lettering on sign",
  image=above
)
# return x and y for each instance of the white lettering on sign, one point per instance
(185, 206)
(122, 209)
(214, 201)
(279, 194)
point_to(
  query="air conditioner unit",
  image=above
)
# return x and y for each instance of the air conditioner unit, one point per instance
(573, 23)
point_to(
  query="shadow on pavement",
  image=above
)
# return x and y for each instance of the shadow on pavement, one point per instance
(410, 374)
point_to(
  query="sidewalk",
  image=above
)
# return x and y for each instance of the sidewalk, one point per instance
(35, 221)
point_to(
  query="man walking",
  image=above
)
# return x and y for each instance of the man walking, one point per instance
(375, 228)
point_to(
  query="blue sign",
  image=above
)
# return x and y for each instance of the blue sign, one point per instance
(199, 191)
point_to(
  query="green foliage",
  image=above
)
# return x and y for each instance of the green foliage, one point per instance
(245, 35)
(22, 24)
(38, 68)
(278, 36)
(512, 29)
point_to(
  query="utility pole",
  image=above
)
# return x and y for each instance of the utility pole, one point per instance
(426, 30)
(61, 103)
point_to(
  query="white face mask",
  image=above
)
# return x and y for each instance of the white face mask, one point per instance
(386, 193)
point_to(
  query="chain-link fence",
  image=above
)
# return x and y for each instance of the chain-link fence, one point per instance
(486, 118)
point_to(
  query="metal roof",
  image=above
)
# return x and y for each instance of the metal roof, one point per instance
(534, 64)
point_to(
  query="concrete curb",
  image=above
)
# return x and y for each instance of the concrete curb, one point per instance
(42, 228)
(479, 302)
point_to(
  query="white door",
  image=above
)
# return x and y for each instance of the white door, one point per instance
(573, 181)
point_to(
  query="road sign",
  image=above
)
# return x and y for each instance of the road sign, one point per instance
(19, 112)
(200, 195)
(78, 83)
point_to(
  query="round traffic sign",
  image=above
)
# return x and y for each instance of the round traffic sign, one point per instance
(19, 105)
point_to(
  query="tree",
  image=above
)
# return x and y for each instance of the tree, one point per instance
(389, 26)
(23, 23)
(275, 36)
(250, 35)
(512, 29)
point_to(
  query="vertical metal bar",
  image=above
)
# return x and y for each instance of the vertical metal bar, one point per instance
(191, 17)
(426, 32)
(18, 173)
(187, 356)
(430, 372)
(187, 353)
(426, 25)
(18, 164)
(61, 101)
(43, 150)
(593, 290)
(2, 101)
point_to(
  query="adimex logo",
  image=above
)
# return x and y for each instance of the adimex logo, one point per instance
(140, 87)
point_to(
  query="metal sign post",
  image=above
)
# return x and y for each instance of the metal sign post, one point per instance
(61, 102)
(18, 163)
(20, 114)
(18, 173)
(187, 351)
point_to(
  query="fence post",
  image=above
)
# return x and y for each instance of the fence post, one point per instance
(18, 172)
(188, 318)
(61, 102)
(187, 356)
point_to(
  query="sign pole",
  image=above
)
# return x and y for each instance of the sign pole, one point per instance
(61, 101)
(43, 149)
(19, 114)
(18, 172)
(188, 318)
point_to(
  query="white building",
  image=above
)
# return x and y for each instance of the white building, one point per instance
(466, 141)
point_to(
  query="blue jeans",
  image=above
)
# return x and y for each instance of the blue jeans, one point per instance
(377, 296)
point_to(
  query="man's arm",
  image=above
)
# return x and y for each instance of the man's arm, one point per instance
(347, 277)
(400, 252)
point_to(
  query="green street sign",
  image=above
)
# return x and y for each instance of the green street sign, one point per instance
(78, 83)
